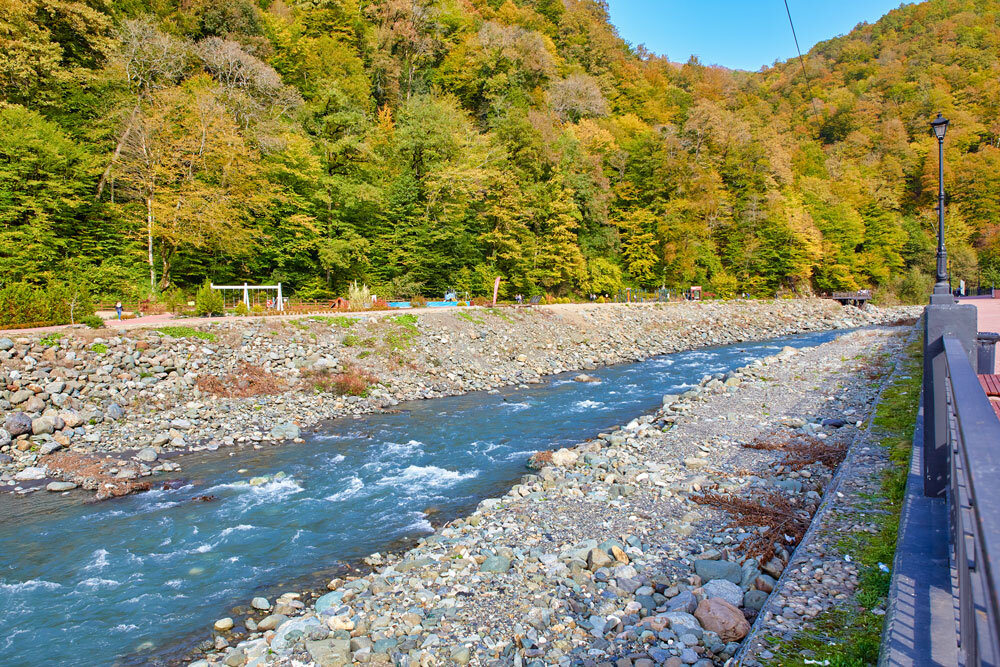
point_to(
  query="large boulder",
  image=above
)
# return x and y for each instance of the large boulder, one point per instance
(718, 616)
(20, 396)
(285, 431)
(718, 569)
(495, 564)
(683, 623)
(17, 423)
(33, 404)
(564, 457)
(29, 474)
(43, 425)
(71, 418)
(725, 589)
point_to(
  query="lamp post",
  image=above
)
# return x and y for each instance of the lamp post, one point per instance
(941, 286)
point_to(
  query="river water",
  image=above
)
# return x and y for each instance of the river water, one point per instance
(94, 584)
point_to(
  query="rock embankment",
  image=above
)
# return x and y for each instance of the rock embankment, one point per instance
(106, 412)
(612, 552)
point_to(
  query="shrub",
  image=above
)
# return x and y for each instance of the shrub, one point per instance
(175, 300)
(724, 284)
(481, 301)
(99, 348)
(350, 382)
(418, 302)
(247, 380)
(360, 298)
(208, 302)
(241, 309)
(461, 303)
(57, 303)
(257, 309)
(92, 321)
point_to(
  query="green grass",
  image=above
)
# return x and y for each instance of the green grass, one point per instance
(402, 329)
(499, 313)
(350, 340)
(186, 332)
(50, 339)
(337, 320)
(849, 635)
(99, 348)
(469, 317)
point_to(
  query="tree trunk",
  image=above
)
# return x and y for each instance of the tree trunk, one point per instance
(149, 243)
(165, 274)
(118, 150)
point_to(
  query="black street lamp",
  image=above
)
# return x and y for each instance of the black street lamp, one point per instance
(941, 286)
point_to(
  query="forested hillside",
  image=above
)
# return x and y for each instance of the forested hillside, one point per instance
(422, 144)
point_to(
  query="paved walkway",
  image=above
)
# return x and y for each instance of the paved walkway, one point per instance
(989, 316)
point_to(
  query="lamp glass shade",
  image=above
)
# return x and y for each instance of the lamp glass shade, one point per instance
(940, 126)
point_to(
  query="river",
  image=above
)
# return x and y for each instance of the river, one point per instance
(97, 583)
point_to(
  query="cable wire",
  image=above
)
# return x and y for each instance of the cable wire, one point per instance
(801, 59)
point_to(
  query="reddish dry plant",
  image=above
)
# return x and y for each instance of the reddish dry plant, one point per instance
(350, 382)
(771, 510)
(246, 381)
(538, 460)
(801, 451)
(91, 473)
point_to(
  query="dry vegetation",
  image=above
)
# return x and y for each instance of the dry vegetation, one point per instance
(93, 473)
(801, 451)
(248, 380)
(351, 381)
(782, 520)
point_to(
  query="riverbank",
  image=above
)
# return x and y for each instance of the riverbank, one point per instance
(656, 543)
(111, 413)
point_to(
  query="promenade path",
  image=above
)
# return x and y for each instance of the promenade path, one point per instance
(989, 316)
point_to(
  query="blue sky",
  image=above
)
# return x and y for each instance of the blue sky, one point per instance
(740, 34)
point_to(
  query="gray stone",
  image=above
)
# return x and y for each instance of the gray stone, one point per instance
(47, 448)
(43, 425)
(718, 569)
(20, 396)
(29, 474)
(683, 623)
(33, 405)
(114, 411)
(147, 455)
(6, 344)
(260, 603)
(271, 622)
(495, 564)
(4, 437)
(725, 589)
(17, 423)
(685, 601)
(60, 486)
(754, 600)
(462, 655)
(285, 431)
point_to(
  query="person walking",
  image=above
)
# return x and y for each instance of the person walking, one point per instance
(118, 309)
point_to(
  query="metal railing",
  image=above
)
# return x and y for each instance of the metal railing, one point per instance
(974, 504)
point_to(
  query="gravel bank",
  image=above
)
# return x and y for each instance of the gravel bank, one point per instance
(603, 556)
(106, 412)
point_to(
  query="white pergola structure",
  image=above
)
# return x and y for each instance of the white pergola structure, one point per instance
(279, 302)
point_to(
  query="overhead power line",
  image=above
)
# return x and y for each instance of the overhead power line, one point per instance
(802, 60)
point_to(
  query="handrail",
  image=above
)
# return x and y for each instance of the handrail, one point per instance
(974, 490)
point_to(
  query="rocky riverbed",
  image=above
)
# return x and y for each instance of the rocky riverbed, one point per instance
(106, 412)
(657, 543)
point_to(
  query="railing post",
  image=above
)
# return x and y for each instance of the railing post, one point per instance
(941, 319)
